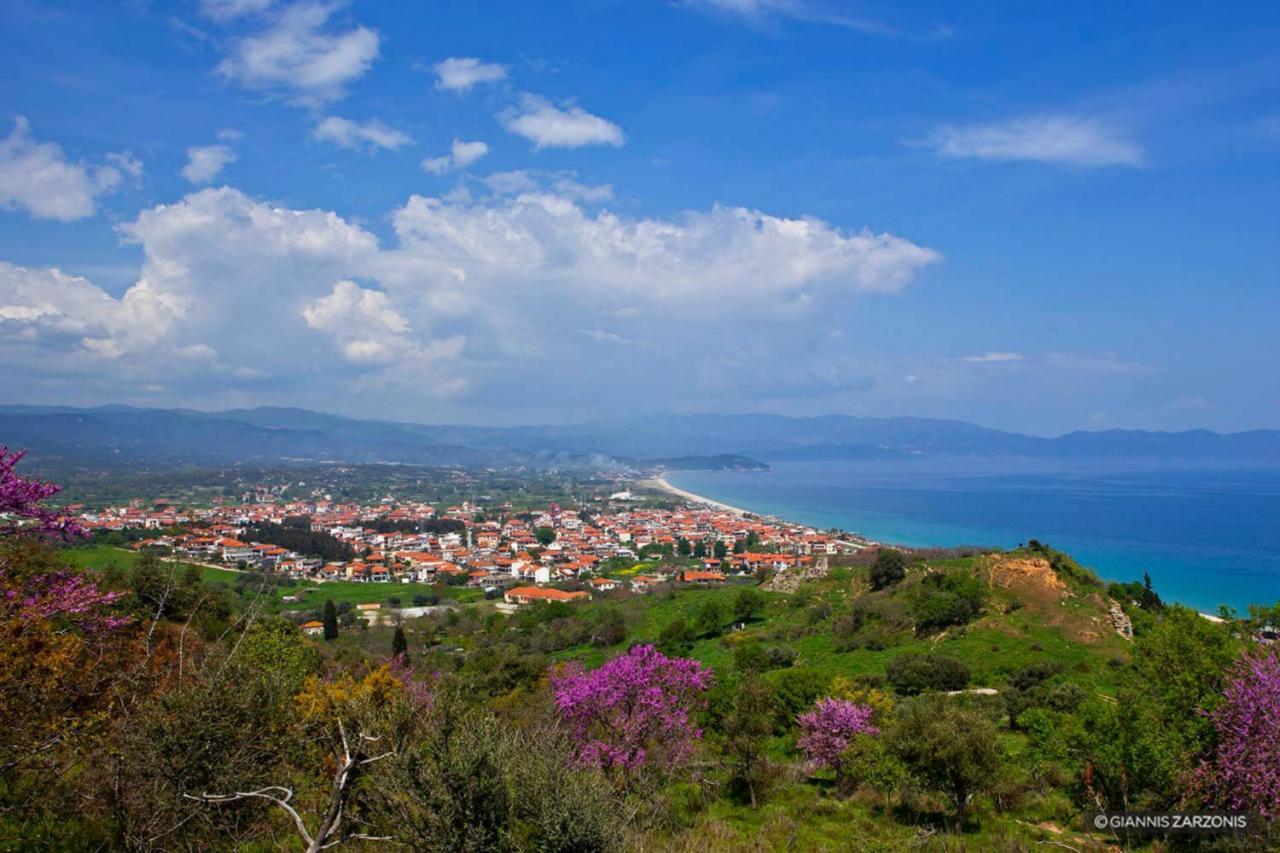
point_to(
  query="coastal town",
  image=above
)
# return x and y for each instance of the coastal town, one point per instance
(522, 555)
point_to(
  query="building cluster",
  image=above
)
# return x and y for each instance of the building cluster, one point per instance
(520, 553)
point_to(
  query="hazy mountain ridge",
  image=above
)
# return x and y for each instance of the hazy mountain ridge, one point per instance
(126, 434)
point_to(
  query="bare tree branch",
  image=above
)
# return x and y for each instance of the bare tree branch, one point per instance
(327, 833)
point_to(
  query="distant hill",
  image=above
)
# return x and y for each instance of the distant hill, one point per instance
(128, 435)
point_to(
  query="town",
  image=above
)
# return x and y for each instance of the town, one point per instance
(519, 554)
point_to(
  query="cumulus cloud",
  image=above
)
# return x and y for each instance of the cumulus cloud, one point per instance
(463, 73)
(1061, 139)
(300, 56)
(460, 156)
(37, 177)
(699, 256)
(472, 295)
(205, 162)
(549, 126)
(362, 321)
(369, 134)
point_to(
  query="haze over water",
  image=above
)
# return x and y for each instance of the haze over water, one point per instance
(1207, 538)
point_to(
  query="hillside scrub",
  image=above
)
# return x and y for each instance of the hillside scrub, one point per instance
(152, 709)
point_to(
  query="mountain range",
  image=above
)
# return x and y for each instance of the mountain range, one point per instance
(125, 435)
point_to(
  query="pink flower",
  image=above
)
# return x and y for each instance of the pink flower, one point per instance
(827, 731)
(1245, 772)
(633, 710)
(22, 498)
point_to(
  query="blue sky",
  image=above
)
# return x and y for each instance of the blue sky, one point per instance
(1030, 218)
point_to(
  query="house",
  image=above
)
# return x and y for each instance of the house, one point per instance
(705, 578)
(604, 584)
(529, 594)
(644, 583)
(313, 628)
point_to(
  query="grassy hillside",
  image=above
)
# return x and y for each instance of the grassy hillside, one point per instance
(1023, 642)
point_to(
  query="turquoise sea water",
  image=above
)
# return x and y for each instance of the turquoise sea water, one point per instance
(1206, 537)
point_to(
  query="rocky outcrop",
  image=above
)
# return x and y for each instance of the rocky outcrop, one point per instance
(789, 580)
(1120, 620)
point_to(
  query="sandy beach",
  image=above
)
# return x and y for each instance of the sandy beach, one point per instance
(662, 485)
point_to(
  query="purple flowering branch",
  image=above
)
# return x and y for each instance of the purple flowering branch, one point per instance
(827, 731)
(1245, 772)
(632, 711)
(21, 500)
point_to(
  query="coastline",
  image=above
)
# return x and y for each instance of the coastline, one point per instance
(662, 485)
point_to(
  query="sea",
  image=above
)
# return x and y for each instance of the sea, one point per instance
(1206, 537)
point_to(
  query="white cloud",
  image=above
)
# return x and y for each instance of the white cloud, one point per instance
(226, 10)
(487, 294)
(993, 358)
(297, 56)
(460, 156)
(702, 256)
(204, 162)
(127, 164)
(37, 177)
(1059, 139)
(549, 126)
(807, 11)
(462, 73)
(371, 134)
(362, 321)
(561, 183)
(605, 337)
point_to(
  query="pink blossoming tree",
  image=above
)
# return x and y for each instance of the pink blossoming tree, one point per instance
(632, 711)
(828, 730)
(1245, 772)
(21, 503)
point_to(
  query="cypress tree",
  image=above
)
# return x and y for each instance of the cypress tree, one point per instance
(330, 620)
(399, 645)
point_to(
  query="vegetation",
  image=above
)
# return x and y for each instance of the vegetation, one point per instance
(146, 705)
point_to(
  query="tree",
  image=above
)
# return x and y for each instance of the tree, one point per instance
(683, 548)
(1244, 774)
(720, 550)
(748, 604)
(949, 748)
(676, 638)
(700, 549)
(748, 727)
(633, 711)
(828, 730)
(545, 535)
(330, 619)
(23, 499)
(710, 619)
(399, 645)
(889, 568)
(869, 761)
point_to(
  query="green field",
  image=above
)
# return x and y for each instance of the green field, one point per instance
(309, 594)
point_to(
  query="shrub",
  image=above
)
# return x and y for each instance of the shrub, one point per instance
(889, 568)
(913, 673)
(949, 749)
(939, 610)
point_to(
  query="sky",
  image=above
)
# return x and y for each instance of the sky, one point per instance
(1037, 217)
